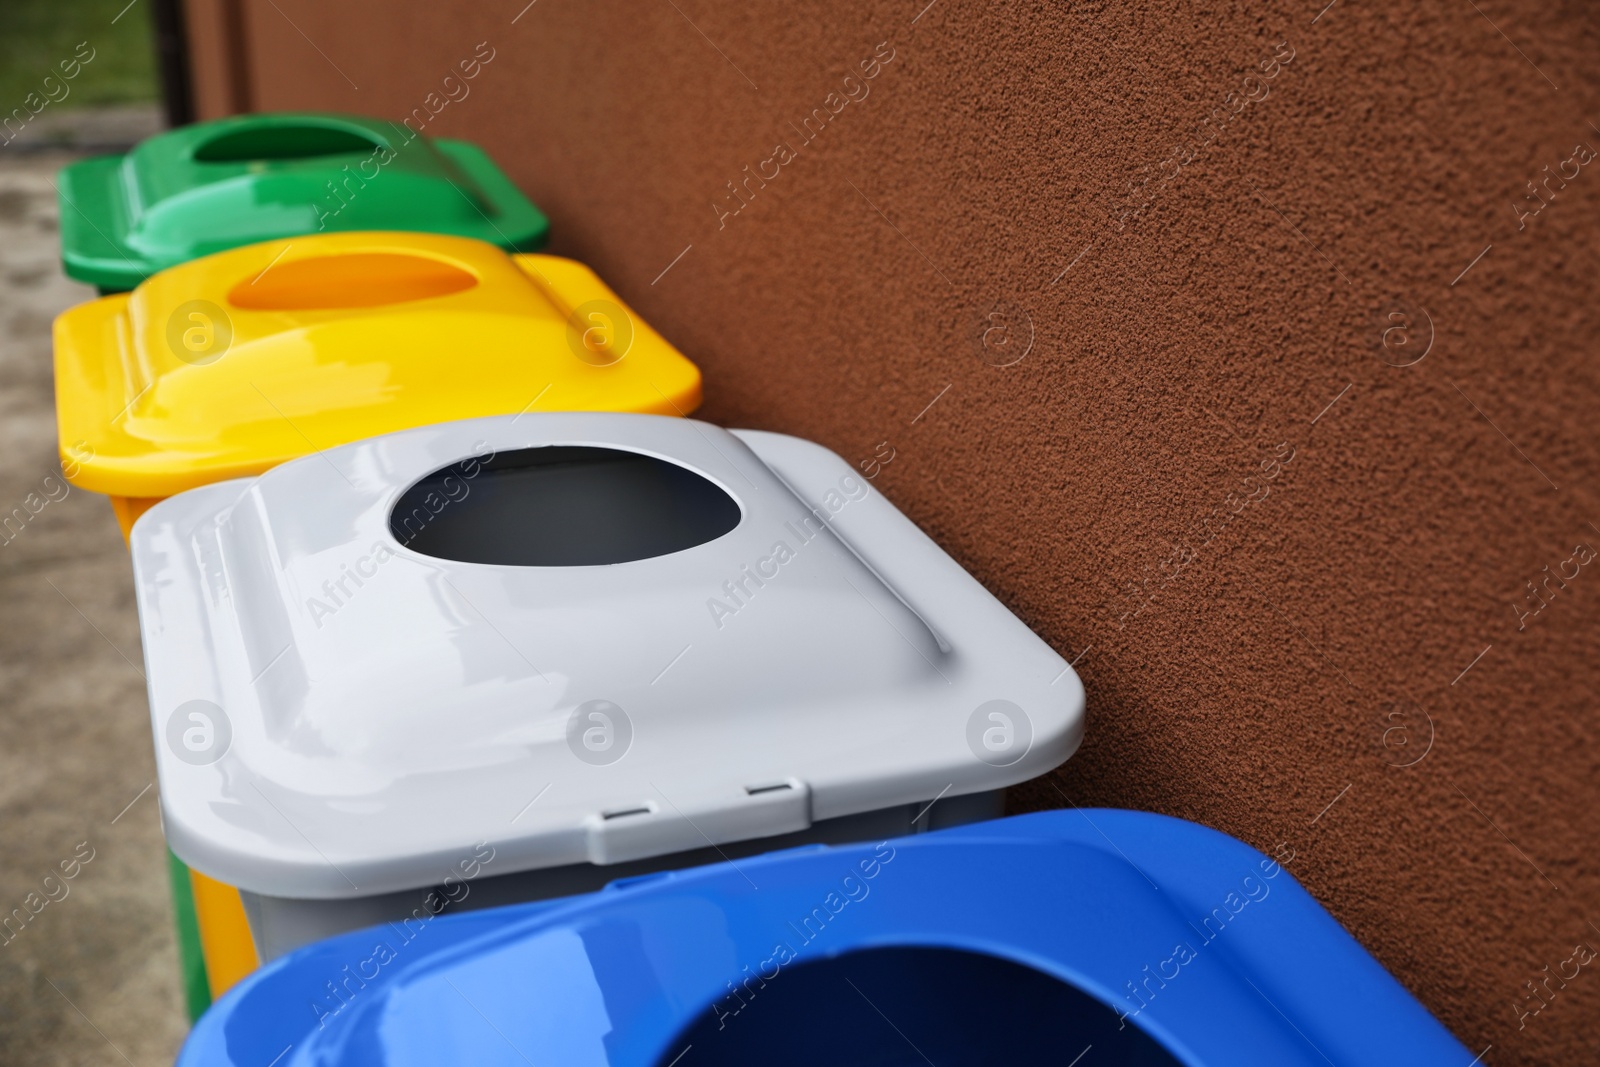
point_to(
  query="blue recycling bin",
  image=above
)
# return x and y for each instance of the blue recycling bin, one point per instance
(1118, 936)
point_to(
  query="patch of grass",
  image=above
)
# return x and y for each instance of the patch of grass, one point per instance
(37, 35)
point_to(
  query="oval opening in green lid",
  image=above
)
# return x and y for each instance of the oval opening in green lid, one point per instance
(264, 143)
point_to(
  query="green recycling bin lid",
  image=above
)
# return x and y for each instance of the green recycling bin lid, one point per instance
(236, 181)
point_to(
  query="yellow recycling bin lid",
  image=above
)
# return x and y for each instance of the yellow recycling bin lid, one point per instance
(229, 365)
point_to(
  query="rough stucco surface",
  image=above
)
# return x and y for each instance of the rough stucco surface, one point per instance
(1248, 674)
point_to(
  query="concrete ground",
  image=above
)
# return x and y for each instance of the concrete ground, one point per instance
(88, 964)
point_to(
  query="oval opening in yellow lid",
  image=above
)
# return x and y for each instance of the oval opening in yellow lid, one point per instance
(353, 280)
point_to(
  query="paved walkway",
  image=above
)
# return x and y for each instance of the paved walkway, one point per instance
(91, 978)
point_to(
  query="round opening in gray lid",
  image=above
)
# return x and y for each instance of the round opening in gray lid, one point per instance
(561, 506)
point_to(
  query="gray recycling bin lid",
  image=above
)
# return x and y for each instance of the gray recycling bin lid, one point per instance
(579, 637)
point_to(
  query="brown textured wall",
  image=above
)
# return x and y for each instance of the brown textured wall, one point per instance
(219, 58)
(1268, 672)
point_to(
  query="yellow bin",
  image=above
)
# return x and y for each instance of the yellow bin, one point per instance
(228, 365)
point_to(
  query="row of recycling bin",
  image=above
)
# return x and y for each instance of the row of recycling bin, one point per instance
(504, 714)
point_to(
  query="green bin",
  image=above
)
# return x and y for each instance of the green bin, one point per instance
(236, 181)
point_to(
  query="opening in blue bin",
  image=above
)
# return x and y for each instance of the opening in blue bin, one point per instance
(912, 1006)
